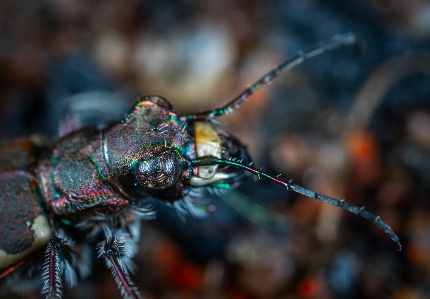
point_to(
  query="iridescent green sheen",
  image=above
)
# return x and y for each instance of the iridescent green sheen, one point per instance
(151, 128)
(99, 170)
(51, 177)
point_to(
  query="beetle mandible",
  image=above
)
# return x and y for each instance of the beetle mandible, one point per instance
(55, 200)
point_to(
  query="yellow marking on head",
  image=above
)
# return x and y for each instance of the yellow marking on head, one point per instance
(208, 143)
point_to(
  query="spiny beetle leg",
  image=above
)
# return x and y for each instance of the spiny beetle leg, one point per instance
(61, 259)
(51, 269)
(117, 259)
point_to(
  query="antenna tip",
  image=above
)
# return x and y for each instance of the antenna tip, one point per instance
(347, 38)
(351, 38)
(398, 246)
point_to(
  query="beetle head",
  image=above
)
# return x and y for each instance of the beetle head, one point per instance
(150, 152)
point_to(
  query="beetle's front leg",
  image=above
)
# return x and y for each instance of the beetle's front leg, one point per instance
(117, 256)
(63, 257)
(51, 269)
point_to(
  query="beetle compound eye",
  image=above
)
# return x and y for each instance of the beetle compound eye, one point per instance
(159, 172)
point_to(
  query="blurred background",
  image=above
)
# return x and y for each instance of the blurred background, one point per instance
(347, 124)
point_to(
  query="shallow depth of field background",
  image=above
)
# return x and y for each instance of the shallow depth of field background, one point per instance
(349, 124)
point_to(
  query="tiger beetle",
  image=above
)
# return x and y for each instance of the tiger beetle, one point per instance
(56, 201)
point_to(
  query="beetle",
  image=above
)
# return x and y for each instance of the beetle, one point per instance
(56, 200)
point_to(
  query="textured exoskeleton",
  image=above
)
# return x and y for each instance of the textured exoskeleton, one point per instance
(91, 176)
(26, 225)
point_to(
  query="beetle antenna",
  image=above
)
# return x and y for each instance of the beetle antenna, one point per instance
(301, 56)
(210, 160)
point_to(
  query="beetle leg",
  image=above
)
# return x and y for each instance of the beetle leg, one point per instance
(51, 269)
(62, 259)
(118, 260)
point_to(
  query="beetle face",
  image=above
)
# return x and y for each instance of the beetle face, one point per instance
(159, 172)
(149, 153)
(163, 175)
